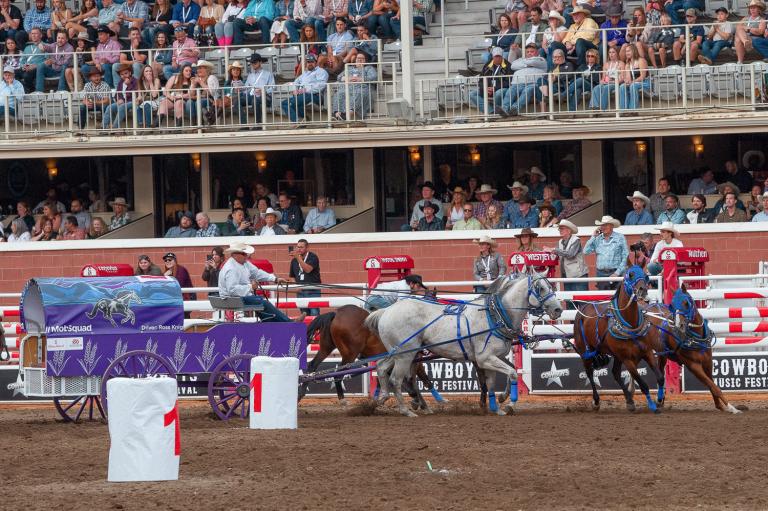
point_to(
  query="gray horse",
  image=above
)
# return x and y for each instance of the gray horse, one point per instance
(480, 331)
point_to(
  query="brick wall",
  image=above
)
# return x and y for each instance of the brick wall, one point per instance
(731, 253)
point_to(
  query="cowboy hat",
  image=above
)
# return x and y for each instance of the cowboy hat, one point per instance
(83, 36)
(204, 63)
(276, 214)
(486, 189)
(568, 225)
(580, 10)
(608, 219)
(124, 67)
(757, 3)
(486, 239)
(256, 57)
(553, 14)
(669, 226)
(639, 195)
(538, 172)
(106, 30)
(119, 201)
(93, 70)
(526, 232)
(518, 184)
(239, 248)
(614, 10)
(430, 204)
(236, 64)
(722, 186)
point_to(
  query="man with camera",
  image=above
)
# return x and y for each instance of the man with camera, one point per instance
(305, 269)
(611, 249)
(640, 252)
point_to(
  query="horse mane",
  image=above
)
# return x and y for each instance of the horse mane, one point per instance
(496, 285)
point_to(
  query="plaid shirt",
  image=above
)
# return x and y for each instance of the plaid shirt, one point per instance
(138, 10)
(96, 92)
(481, 209)
(37, 19)
(209, 232)
(611, 253)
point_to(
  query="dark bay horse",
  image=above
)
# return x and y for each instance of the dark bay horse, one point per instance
(679, 333)
(617, 328)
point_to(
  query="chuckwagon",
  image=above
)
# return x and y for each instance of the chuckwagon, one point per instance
(83, 331)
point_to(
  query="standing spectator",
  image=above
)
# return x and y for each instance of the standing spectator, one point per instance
(536, 180)
(55, 64)
(31, 59)
(566, 184)
(83, 217)
(22, 209)
(704, 185)
(571, 256)
(485, 195)
(259, 13)
(658, 198)
(309, 88)
(672, 212)
(184, 16)
(71, 230)
(699, 214)
(145, 266)
(96, 96)
(180, 273)
(98, 228)
(429, 222)
(19, 231)
(306, 12)
(10, 21)
(579, 202)
(669, 239)
(639, 214)
(207, 229)
(319, 218)
(456, 211)
(120, 217)
(759, 217)
(291, 214)
(528, 214)
(213, 264)
(468, 221)
(271, 217)
(185, 52)
(185, 229)
(611, 249)
(39, 17)
(719, 36)
(740, 177)
(427, 194)
(730, 212)
(105, 55)
(305, 269)
(11, 91)
(489, 264)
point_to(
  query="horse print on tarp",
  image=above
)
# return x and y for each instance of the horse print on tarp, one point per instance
(119, 305)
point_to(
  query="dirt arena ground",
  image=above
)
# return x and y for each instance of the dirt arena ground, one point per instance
(552, 454)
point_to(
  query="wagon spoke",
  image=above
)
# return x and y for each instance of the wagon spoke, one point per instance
(82, 407)
(71, 404)
(232, 408)
(122, 366)
(219, 388)
(226, 397)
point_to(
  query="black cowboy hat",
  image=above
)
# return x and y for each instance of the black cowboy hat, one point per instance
(430, 204)
(106, 30)
(256, 57)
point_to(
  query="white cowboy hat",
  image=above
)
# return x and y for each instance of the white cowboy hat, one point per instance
(277, 214)
(204, 63)
(486, 239)
(518, 184)
(486, 189)
(669, 226)
(568, 225)
(538, 172)
(556, 15)
(120, 201)
(639, 195)
(608, 219)
(757, 3)
(240, 248)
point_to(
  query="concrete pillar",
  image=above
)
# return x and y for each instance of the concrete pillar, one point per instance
(592, 168)
(143, 185)
(406, 40)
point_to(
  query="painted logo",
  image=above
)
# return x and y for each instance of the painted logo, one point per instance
(119, 305)
(64, 343)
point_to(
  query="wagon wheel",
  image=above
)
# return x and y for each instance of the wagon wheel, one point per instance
(229, 387)
(134, 364)
(71, 409)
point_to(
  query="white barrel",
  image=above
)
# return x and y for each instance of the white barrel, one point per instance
(143, 429)
(274, 392)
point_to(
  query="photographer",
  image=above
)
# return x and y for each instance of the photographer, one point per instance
(640, 252)
(213, 263)
(305, 269)
(611, 249)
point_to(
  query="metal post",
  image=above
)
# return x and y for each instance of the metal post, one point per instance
(446, 50)
(379, 51)
(687, 46)
(442, 18)
(551, 97)
(346, 91)
(604, 38)
(752, 85)
(199, 112)
(135, 110)
(616, 89)
(75, 72)
(70, 111)
(420, 85)
(263, 108)
(406, 41)
(328, 102)
(485, 98)
(7, 113)
(685, 87)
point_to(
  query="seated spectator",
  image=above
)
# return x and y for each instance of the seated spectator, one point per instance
(672, 212)
(60, 16)
(360, 12)
(636, 30)
(639, 214)
(758, 217)
(582, 35)
(262, 205)
(136, 56)
(738, 176)
(176, 95)
(211, 14)
(12, 22)
(20, 231)
(259, 13)
(259, 81)
(105, 55)
(504, 39)
(420, 11)
(79, 23)
(262, 191)
(11, 92)
(180, 273)
(512, 207)
(213, 263)
(59, 58)
(319, 218)
(615, 27)
(444, 184)
(307, 12)
(468, 221)
(39, 17)
(695, 41)
(309, 88)
(699, 214)
(163, 53)
(731, 213)
(456, 211)
(566, 184)
(185, 229)
(528, 214)
(522, 85)
(339, 44)
(493, 218)
(551, 197)
(271, 228)
(108, 13)
(553, 36)
(589, 76)
(278, 32)
(379, 22)
(525, 241)
(657, 199)
(31, 59)
(753, 204)
(489, 264)
(22, 209)
(613, 72)
(145, 266)
(526, 21)
(430, 222)
(71, 229)
(669, 239)
(204, 90)
(50, 214)
(292, 216)
(121, 216)
(12, 54)
(751, 32)
(225, 29)
(96, 205)
(206, 229)
(427, 195)
(660, 41)
(704, 185)
(47, 232)
(634, 79)
(185, 52)
(122, 101)
(98, 228)
(547, 216)
(83, 217)
(360, 78)
(365, 43)
(184, 17)
(562, 76)
(239, 224)
(579, 202)
(723, 189)
(50, 198)
(536, 180)
(485, 195)
(96, 97)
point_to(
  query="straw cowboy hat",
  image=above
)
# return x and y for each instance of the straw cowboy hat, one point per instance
(557, 16)
(486, 189)
(239, 248)
(119, 201)
(236, 64)
(757, 3)
(518, 184)
(608, 219)
(538, 172)
(581, 10)
(670, 227)
(722, 186)
(639, 195)
(204, 63)
(274, 213)
(526, 231)
(568, 225)
(486, 239)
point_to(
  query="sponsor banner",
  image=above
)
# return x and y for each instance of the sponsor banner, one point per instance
(562, 373)
(64, 343)
(352, 385)
(737, 372)
(454, 377)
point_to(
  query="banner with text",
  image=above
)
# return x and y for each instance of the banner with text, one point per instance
(733, 372)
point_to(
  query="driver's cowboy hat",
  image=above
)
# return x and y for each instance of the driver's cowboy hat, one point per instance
(239, 248)
(639, 195)
(485, 239)
(608, 219)
(568, 225)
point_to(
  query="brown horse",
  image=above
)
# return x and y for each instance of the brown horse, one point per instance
(617, 328)
(679, 333)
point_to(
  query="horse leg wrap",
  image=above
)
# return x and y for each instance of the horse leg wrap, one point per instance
(513, 391)
(651, 404)
(494, 407)
(436, 395)
(660, 396)
(377, 392)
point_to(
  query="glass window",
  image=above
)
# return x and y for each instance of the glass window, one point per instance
(69, 178)
(304, 174)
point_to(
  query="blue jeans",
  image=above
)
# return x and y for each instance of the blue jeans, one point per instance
(761, 45)
(309, 293)
(383, 21)
(604, 286)
(376, 302)
(190, 108)
(293, 27)
(115, 114)
(629, 94)
(394, 24)
(601, 96)
(46, 71)
(246, 104)
(294, 104)
(106, 69)
(270, 314)
(11, 111)
(711, 49)
(684, 5)
(144, 112)
(84, 111)
(576, 90)
(476, 98)
(240, 27)
(519, 95)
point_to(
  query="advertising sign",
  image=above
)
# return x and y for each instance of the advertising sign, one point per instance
(563, 373)
(733, 372)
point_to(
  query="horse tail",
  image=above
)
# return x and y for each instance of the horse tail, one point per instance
(322, 325)
(372, 321)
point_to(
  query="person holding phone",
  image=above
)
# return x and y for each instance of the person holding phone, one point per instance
(305, 269)
(611, 249)
(213, 263)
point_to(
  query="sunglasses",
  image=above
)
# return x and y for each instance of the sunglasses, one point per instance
(169, 259)
(467, 211)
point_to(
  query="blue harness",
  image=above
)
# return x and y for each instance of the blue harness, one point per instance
(688, 339)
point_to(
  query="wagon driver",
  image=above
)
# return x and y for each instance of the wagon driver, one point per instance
(239, 277)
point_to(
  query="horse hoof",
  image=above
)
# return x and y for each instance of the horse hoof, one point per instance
(501, 412)
(408, 413)
(503, 398)
(631, 407)
(343, 403)
(415, 405)
(657, 411)
(595, 407)
(659, 404)
(426, 410)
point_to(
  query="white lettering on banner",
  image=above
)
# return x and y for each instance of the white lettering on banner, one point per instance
(542, 257)
(697, 252)
(68, 329)
(64, 343)
(554, 375)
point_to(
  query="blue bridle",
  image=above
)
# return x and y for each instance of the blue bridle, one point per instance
(626, 330)
(682, 304)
